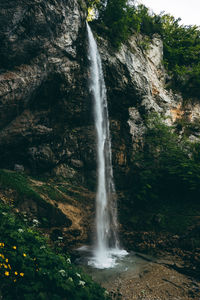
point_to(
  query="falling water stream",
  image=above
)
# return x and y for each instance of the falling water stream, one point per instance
(106, 262)
(106, 248)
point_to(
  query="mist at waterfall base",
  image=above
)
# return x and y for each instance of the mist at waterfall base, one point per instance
(106, 250)
(127, 266)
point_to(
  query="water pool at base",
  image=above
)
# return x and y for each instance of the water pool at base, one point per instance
(131, 264)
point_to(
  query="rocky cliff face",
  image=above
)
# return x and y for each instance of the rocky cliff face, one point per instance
(46, 123)
(45, 115)
(136, 82)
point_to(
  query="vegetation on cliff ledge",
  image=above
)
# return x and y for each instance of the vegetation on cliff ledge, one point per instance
(117, 20)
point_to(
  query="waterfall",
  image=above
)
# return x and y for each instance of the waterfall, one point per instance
(107, 243)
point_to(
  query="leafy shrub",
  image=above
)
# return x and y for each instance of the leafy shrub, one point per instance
(164, 181)
(181, 43)
(30, 269)
(167, 167)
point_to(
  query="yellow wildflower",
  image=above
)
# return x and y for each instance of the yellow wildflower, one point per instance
(16, 273)
(6, 273)
(24, 254)
(2, 244)
(21, 274)
(14, 247)
(6, 260)
(5, 266)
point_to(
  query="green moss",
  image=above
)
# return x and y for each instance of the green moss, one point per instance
(50, 191)
(175, 219)
(19, 183)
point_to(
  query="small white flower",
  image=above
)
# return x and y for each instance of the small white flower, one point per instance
(42, 247)
(20, 230)
(62, 272)
(70, 279)
(4, 213)
(77, 274)
(81, 282)
(35, 222)
(60, 238)
(68, 260)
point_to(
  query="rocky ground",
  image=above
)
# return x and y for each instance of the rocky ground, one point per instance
(183, 252)
(156, 282)
(174, 275)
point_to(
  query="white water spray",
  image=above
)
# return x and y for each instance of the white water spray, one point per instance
(107, 243)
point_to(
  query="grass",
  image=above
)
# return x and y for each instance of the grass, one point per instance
(28, 189)
(50, 191)
(18, 182)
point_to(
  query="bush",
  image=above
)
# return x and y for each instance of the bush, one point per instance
(164, 181)
(167, 169)
(30, 269)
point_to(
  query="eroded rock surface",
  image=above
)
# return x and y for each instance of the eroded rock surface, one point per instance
(136, 81)
(45, 114)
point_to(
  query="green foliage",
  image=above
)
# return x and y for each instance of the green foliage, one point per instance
(114, 20)
(118, 20)
(18, 182)
(181, 54)
(50, 191)
(125, 20)
(170, 218)
(167, 163)
(29, 269)
(165, 174)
